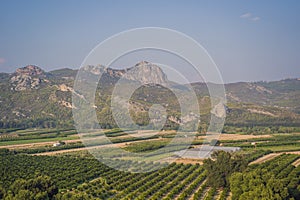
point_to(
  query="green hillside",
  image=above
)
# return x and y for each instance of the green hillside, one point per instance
(31, 97)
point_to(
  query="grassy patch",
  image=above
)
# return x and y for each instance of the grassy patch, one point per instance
(6, 143)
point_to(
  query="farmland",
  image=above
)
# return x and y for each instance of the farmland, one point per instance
(78, 175)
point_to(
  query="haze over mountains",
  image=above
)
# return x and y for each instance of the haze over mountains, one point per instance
(32, 97)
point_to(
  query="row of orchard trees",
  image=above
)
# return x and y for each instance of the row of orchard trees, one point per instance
(39, 188)
(257, 184)
(275, 179)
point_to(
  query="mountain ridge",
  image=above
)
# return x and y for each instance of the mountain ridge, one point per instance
(31, 94)
(72, 73)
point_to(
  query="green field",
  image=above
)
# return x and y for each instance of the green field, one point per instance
(37, 140)
(78, 175)
(75, 181)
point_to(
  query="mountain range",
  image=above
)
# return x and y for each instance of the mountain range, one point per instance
(31, 97)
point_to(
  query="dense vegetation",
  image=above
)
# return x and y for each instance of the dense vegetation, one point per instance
(221, 166)
(276, 179)
(87, 178)
(75, 177)
(39, 188)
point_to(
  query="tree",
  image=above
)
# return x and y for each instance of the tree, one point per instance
(38, 188)
(202, 128)
(257, 184)
(2, 192)
(4, 151)
(214, 142)
(221, 166)
(73, 196)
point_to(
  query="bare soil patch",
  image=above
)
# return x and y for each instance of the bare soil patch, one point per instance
(239, 136)
(296, 163)
(265, 158)
(273, 155)
(189, 161)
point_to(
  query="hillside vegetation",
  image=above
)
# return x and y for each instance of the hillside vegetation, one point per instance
(31, 97)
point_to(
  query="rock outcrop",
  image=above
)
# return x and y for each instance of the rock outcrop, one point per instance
(143, 72)
(220, 110)
(30, 70)
(147, 73)
(29, 77)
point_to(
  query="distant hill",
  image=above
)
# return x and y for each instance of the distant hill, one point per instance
(31, 97)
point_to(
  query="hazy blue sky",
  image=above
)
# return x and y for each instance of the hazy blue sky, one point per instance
(249, 40)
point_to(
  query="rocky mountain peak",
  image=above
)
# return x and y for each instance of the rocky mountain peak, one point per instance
(147, 73)
(142, 63)
(29, 77)
(143, 72)
(30, 70)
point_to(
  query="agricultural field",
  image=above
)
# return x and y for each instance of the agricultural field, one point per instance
(75, 174)
(86, 178)
(79, 179)
(116, 182)
(277, 175)
(33, 136)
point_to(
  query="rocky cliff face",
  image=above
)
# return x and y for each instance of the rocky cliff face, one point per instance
(29, 77)
(147, 73)
(143, 72)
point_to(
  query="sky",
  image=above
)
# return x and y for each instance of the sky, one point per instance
(248, 40)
